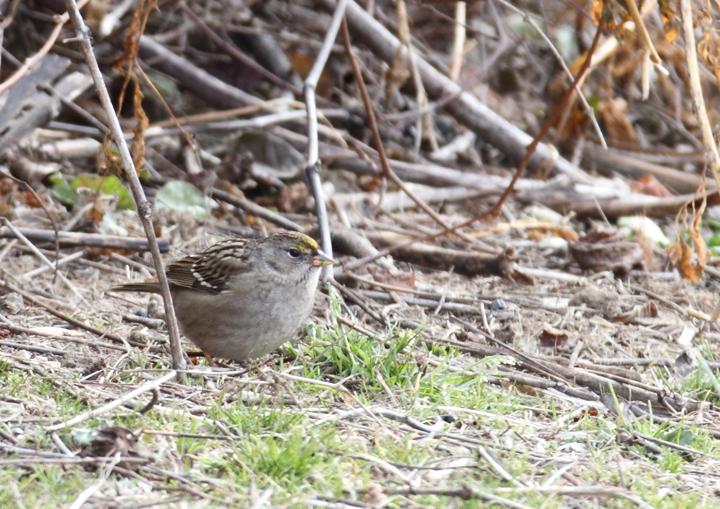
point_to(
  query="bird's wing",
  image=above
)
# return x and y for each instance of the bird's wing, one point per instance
(210, 271)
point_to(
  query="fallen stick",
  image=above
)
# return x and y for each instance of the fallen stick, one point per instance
(64, 316)
(86, 239)
(56, 337)
(466, 108)
(627, 163)
(256, 210)
(96, 412)
(214, 91)
(470, 263)
(613, 208)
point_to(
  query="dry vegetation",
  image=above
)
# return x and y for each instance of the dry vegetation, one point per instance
(545, 342)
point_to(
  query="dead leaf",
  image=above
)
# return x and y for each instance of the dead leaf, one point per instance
(375, 496)
(541, 227)
(472, 337)
(137, 148)
(93, 12)
(618, 127)
(398, 73)
(650, 186)
(597, 11)
(96, 212)
(272, 158)
(686, 363)
(293, 198)
(552, 337)
(401, 279)
(598, 252)
(680, 253)
(110, 441)
(303, 64)
(649, 260)
(670, 24)
(605, 301)
(648, 310)
(92, 372)
(709, 51)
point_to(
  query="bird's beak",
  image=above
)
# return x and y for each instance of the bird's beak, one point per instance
(321, 259)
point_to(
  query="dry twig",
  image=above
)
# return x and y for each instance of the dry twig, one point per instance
(143, 206)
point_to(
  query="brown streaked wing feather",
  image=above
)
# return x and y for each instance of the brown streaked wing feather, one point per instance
(148, 287)
(210, 270)
(179, 272)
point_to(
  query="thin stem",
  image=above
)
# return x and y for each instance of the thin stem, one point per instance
(144, 208)
(384, 163)
(313, 162)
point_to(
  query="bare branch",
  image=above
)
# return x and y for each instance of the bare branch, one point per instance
(143, 205)
(313, 163)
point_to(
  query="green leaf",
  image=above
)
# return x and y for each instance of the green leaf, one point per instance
(183, 197)
(647, 227)
(679, 436)
(105, 185)
(713, 240)
(63, 193)
(712, 223)
(55, 179)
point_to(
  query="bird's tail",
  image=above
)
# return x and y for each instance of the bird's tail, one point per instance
(151, 287)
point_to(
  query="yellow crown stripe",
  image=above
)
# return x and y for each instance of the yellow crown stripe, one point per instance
(305, 241)
(312, 243)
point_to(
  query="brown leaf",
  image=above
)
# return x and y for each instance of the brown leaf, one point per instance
(96, 212)
(680, 252)
(401, 279)
(651, 186)
(596, 11)
(7, 186)
(603, 300)
(709, 51)
(598, 252)
(398, 73)
(132, 37)
(613, 112)
(670, 24)
(108, 159)
(93, 12)
(552, 337)
(137, 149)
(293, 198)
(303, 64)
(680, 255)
(648, 310)
(116, 439)
(472, 337)
(29, 199)
(649, 260)
(375, 496)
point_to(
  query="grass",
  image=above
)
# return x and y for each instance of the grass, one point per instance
(318, 426)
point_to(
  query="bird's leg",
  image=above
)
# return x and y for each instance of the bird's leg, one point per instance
(210, 360)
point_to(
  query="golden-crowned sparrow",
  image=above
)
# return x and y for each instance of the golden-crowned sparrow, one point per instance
(243, 298)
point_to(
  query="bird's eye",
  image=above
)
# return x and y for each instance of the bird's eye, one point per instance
(294, 253)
